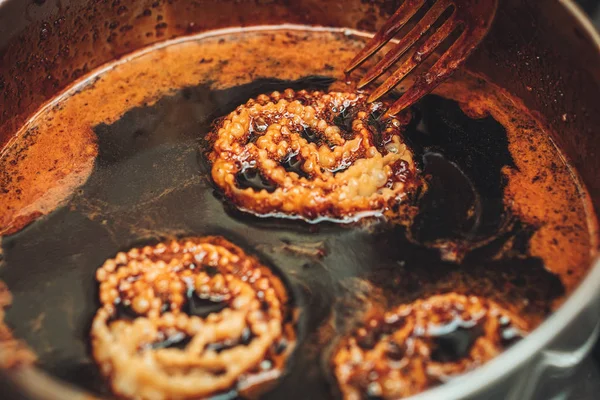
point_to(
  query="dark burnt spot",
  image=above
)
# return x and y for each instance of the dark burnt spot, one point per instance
(202, 307)
(368, 336)
(247, 337)
(344, 119)
(367, 339)
(380, 128)
(392, 324)
(293, 163)
(375, 120)
(401, 172)
(124, 312)
(259, 124)
(280, 346)
(264, 305)
(509, 335)
(455, 344)
(312, 136)
(210, 270)
(254, 179)
(244, 340)
(343, 166)
(395, 351)
(165, 307)
(173, 340)
(218, 347)
(301, 99)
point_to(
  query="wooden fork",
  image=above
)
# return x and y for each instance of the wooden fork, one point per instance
(474, 17)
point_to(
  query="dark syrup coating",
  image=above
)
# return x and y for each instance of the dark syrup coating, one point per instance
(293, 163)
(252, 178)
(454, 344)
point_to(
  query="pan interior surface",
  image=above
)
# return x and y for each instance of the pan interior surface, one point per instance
(134, 171)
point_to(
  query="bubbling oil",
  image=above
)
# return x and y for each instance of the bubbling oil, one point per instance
(118, 160)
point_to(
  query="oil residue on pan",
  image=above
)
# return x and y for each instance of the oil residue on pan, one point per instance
(150, 181)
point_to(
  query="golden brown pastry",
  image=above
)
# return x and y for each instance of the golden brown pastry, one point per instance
(190, 319)
(312, 155)
(419, 345)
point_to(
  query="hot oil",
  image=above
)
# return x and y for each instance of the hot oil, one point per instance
(150, 181)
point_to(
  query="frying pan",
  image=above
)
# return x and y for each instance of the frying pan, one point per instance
(544, 52)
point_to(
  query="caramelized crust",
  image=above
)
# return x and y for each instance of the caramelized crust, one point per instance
(419, 345)
(312, 155)
(190, 319)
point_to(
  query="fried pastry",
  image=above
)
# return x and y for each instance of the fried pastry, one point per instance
(313, 156)
(422, 344)
(190, 319)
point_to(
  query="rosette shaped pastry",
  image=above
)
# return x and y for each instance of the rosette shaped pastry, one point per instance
(312, 155)
(190, 319)
(422, 344)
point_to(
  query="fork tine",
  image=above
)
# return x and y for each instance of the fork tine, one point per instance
(442, 69)
(433, 14)
(404, 13)
(420, 54)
